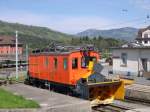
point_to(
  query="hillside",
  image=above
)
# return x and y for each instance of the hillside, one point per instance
(39, 37)
(34, 36)
(126, 33)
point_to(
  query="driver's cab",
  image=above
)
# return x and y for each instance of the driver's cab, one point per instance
(82, 64)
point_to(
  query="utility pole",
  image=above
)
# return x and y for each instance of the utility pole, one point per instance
(16, 55)
(27, 57)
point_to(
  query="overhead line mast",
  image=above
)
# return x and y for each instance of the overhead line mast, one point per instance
(16, 55)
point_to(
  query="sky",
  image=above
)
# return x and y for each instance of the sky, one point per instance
(73, 16)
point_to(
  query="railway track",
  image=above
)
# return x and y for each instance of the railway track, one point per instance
(110, 108)
(136, 100)
(121, 106)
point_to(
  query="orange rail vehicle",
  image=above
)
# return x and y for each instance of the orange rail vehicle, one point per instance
(69, 69)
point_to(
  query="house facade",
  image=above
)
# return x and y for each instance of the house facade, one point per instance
(144, 36)
(8, 48)
(131, 61)
(133, 58)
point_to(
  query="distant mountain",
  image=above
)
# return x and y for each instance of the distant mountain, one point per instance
(126, 33)
(34, 36)
(39, 37)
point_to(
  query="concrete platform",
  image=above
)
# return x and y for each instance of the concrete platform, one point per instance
(140, 110)
(50, 101)
(138, 91)
(130, 105)
(142, 81)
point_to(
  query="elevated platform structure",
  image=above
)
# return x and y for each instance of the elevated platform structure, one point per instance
(138, 91)
(139, 110)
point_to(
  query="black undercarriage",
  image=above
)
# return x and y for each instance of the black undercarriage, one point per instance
(52, 86)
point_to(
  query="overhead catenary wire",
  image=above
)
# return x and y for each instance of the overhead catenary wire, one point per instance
(137, 23)
(142, 22)
(132, 21)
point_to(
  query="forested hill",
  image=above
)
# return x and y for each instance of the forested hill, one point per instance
(40, 37)
(34, 36)
(126, 33)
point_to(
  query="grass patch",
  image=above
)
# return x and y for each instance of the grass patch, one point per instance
(1, 78)
(9, 100)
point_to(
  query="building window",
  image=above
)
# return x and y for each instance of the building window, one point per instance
(146, 35)
(55, 63)
(124, 59)
(65, 62)
(74, 63)
(145, 42)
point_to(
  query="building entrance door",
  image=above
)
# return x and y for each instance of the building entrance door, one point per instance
(144, 64)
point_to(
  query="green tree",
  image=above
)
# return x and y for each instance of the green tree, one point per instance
(100, 38)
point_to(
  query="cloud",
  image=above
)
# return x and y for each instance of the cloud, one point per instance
(144, 4)
(67, 24)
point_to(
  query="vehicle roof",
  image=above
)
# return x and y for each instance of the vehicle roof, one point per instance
(59, 53)
(63, 50)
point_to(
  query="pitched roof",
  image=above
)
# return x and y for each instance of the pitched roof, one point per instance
(141, 31)
(8, 40)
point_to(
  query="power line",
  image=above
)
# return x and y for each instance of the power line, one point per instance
(138, 22)
(127, 22)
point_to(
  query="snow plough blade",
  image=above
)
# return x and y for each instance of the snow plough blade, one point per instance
(103, 92)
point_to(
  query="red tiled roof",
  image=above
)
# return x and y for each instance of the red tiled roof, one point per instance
(8, 40)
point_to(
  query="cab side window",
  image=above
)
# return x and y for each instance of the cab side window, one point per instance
(65, 62)
(55, 63)
(46, 61)
(84, 62)
(74, 63)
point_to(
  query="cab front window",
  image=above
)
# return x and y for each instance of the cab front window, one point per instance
(85, 61)
(74, 63)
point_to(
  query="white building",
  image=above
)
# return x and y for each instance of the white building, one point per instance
(144, 36)
(131, 60)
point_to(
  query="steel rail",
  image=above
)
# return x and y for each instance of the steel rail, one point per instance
(110, 108)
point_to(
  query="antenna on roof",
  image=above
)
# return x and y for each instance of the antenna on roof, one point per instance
(124, 10)
(147, 16)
